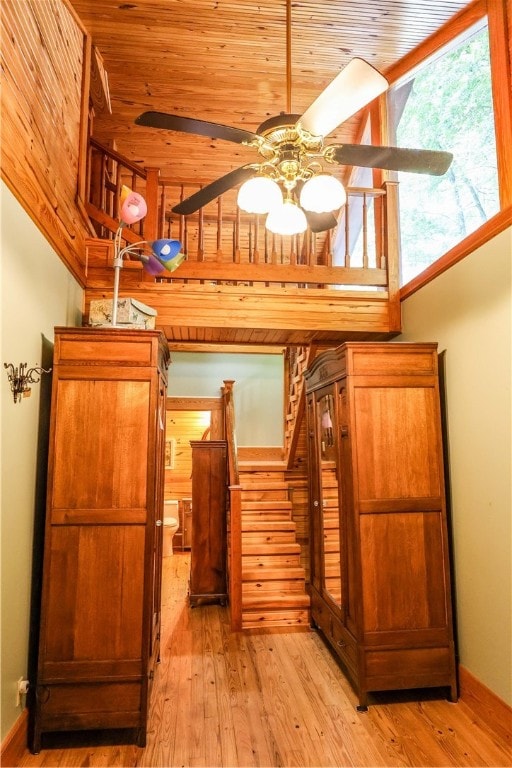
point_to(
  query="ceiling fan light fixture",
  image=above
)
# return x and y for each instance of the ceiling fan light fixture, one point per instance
(322, 194)
(286, 219)
(259, 195)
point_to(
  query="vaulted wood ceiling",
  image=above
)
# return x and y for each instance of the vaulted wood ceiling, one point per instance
(225, 62)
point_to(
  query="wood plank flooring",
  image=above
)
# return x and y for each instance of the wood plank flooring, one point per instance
(273, 699)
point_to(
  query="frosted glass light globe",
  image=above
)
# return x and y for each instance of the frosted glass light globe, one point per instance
(259, 195)
(286, 219)
(322, 194)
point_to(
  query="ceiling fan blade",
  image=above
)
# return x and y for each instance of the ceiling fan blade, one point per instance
(199, 127)
(391, 158)
(320, 222)
(356, 85)
(211, 191)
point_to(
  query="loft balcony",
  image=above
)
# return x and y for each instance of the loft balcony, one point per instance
(240, 284)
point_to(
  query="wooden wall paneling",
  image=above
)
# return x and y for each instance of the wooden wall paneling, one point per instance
(43, 62)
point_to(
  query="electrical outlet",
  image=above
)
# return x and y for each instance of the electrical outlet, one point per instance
(21, 690)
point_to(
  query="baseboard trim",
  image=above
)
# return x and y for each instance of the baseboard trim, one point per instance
(15, 743)
(496, 714)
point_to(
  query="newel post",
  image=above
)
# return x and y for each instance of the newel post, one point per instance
(151, 221)
(234, 532)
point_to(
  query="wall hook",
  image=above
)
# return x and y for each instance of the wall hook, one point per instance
(20, 378)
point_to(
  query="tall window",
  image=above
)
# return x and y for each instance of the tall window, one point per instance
(447, 104)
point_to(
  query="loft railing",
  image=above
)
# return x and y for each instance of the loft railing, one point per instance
(225, 246)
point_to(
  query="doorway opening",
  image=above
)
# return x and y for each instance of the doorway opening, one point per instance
(187, 418)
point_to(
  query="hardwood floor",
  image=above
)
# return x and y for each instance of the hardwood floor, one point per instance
(278, 699)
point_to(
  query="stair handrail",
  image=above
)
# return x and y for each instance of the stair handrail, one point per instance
(234, 517)
(296, 411)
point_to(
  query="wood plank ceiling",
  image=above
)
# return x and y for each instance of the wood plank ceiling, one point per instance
(225, 62)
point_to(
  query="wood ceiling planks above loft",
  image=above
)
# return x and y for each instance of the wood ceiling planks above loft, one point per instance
(226, 62)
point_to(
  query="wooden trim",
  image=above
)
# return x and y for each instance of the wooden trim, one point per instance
(475, 240)
(499, 42)
(193, 404)
(260, 453)
(227, 348)
(15, 743)
(444, 35)
(83, 145)
(496, 713)
(235, 557)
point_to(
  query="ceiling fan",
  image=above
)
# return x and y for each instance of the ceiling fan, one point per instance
(291, 147)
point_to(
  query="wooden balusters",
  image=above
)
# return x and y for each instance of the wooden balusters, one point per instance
(200, 235)
(365, 231)
(367, 234)
(219, 228)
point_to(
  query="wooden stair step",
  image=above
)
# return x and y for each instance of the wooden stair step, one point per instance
(298, 619)
(290, 548)
(264, 485)
(265, 561)
(274, 600)
(264, 494)
(264, 587)
(268, 516)
(272, 574)
(271, 526)
(263, 504)
(264, 539)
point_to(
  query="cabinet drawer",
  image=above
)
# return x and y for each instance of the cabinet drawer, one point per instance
(344, 644)
(108, 705)
(335, 633)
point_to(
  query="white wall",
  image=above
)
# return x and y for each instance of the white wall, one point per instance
(37, 294)
(467, 310)
(258, 390)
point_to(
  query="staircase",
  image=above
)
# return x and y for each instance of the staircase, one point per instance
(273, 580)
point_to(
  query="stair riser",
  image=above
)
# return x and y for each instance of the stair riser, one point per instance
(275, 619)
(272, 574)
(261, 587)
(264, 495)
(273, 504)
(253, 539)
(269, 561)
(271, 517)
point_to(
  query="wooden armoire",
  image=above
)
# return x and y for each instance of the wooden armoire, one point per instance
(380, 571)
(208, 577)
(100, 607)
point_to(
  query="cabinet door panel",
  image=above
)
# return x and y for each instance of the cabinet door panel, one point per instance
(404, 585)
(397, 443)
(100, 436)
(98, 606)
(329, 495)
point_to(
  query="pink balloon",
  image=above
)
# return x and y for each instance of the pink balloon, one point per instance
(134, 208)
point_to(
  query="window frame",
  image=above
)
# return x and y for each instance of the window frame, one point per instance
(499, 28)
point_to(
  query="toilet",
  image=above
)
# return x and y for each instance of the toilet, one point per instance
(171, 525)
